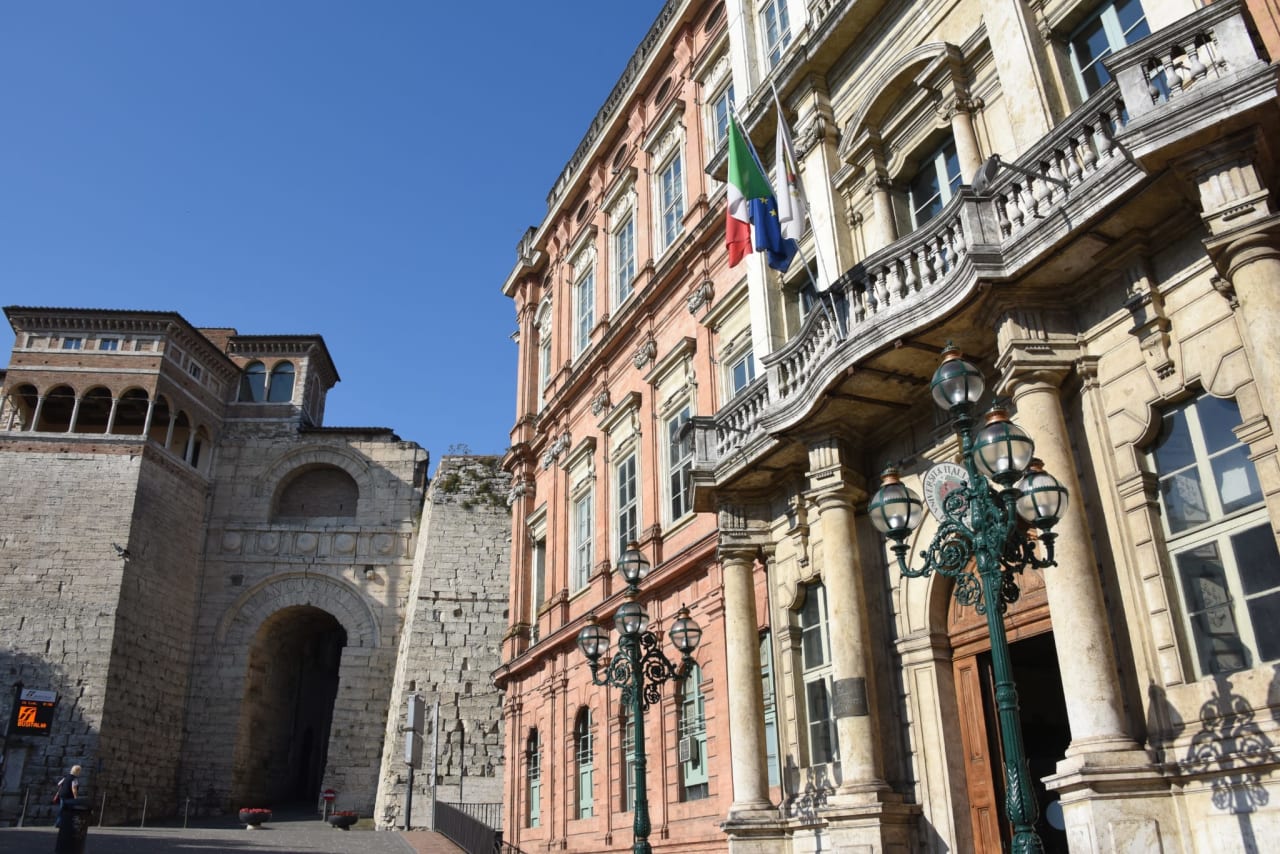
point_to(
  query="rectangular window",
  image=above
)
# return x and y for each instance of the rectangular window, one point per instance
(539, 592)
(815, 655)
(585, 308)
(776, 29)
(720, 117)
(1219, 537)
(772, 760)
(624, 259)
(544, 368)
(108, 343)
(195, 370)
(533, 780)
(582, 531)
(584, 752)
(671, 196)
(1116, 24)
(741, 373)
(628, 763)
(628, 505)
(72, 343)
(692, 735)
(679, 465)
(935, 184)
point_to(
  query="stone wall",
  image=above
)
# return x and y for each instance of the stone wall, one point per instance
(456, 616)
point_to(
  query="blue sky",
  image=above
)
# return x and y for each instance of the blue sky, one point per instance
(360, 169)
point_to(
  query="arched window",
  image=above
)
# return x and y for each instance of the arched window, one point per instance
(584, 759)
(131, 413)
(281, 388)
(319, 491)
(253, 383)
(159, 421)
(180, 434)
(198, 447)
(692, 732)
(21, 408)
(94, 412)
(55, 415)
(1218, 536)
(533, 779)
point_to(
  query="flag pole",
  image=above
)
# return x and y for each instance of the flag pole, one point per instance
(832, 314)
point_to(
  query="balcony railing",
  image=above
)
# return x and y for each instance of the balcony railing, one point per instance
(1075, 172)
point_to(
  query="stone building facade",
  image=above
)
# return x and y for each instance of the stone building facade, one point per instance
(1111, 272)
(212, 581)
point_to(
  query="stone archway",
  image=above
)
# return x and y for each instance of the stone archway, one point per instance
(282, 737)
(300, 643)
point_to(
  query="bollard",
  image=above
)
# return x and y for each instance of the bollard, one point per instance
(25, 800)
(143, 823)
(185, 810)
(74, 827)
(102, 811)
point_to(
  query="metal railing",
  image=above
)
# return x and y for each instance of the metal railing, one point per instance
(472, 827)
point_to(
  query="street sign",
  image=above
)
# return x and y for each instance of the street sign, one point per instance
(33, 712)
(412, 749)
(329, 796)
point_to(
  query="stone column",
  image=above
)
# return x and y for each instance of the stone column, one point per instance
(959, 112)
(1081, 631)
(1245, 247)
(111, 418)
(835, 495)
(35, 416)
(168, 435)
(886, 229)
(146, 423)
(745, 695)
(75, 416)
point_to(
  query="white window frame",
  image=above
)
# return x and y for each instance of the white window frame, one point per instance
(679, 465)
(1117, 38)
(584, 311)
(741, 372)
(817, 674)
(583, 554)
(773, 759)
(109, 344)
(691, 723)
(718, 116)
(935, 164)
(72, 343)
(774, 15)
(670, 197)
(623, 239)
(584, 762)
(626, 494)
(1217, 530)
(533, 779)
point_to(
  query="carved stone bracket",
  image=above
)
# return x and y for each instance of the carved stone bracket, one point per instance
(558, 449)
(519, 489)
(700, 296)
(601, 401)
(645, 353)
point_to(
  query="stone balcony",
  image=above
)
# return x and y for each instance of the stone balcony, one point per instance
(1185, 85)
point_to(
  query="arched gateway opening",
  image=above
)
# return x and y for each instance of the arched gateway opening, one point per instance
(283, 735)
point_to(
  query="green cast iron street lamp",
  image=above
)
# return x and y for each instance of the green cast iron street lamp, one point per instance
(639, 668)
(983, 543)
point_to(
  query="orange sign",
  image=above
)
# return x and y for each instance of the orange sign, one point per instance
(33, 714)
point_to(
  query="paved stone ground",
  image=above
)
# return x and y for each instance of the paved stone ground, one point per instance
(287, 836)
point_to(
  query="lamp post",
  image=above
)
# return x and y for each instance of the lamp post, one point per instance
(639, 668)
(983, 542)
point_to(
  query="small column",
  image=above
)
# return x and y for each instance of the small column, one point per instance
(852, 699)
(1082, 635)
(35, 416)
(146, 424)
(885, 230)
(745, 695)
(111, 417)
(191, 443)
(75, 416)
(959, 111)
(168, 435)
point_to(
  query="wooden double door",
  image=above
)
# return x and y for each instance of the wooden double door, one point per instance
(1042, 709)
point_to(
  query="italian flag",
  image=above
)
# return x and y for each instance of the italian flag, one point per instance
(747, 184)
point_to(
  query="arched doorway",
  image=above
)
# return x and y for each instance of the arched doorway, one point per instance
(287, 710)
(1041, 703)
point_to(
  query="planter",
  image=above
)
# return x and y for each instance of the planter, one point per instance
(343, 821)
(254, 818)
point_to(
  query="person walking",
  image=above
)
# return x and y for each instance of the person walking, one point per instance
(68, 789)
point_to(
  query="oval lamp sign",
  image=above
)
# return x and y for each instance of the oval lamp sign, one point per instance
(939, 482)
